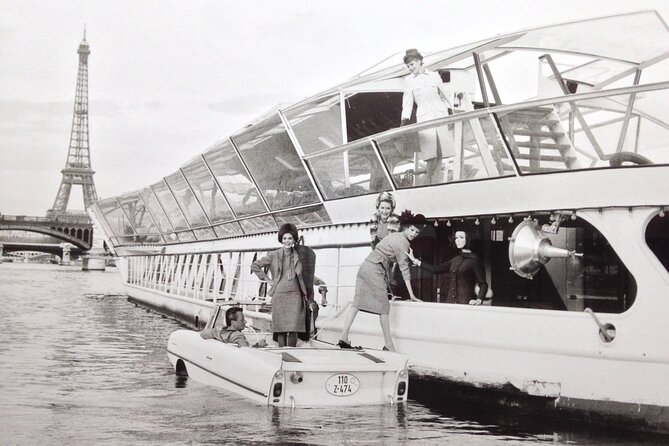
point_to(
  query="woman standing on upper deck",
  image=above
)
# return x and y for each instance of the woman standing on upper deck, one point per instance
(287, 287)
(433, 100)
(372, 281)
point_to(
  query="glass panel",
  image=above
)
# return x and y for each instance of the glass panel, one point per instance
(115, 217)
(238, 187)
(103, 222)
(204, 234)
(371, 113)
(129, 239)
(228, 230)
(350, 172)
(634, 37)
(136, 212)
(311, 216)
(541, 141)
(168, 203)
(264, 223)
(156, 212)
(171, 237)
(207, 191)
(317, 125)
(186, 236)
(275, 165)
(148, 238)
(186, 199)
(439, 153)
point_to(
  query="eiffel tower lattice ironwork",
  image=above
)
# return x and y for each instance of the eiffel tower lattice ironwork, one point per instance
(78, 169)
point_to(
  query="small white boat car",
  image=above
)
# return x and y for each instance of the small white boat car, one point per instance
(315, 374)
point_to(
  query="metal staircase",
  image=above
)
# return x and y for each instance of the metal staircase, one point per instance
(538, 141)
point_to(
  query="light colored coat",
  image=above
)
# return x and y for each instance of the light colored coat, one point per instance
(433, 99)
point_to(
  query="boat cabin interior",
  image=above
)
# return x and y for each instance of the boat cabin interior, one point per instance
(598, 279)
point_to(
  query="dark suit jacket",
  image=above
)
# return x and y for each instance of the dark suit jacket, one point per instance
(464, 271)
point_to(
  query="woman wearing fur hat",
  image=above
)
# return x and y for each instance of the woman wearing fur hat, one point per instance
(433, 100)
(286, 287)
(371, 283)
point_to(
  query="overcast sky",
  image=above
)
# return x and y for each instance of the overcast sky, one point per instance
(169, 78)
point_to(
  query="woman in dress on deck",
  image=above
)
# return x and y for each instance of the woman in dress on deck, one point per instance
(287, 287)
(371, 283)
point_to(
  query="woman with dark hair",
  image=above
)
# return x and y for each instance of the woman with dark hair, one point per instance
(372, 281)
(286, 287)
(465, 271)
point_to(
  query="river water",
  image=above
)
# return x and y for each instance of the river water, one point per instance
(81, 365)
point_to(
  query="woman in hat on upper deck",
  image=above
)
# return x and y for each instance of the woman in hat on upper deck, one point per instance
(287, 287)
(433, 100)
(372, 281)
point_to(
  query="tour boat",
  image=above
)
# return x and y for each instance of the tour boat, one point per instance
(315, 374)
(560, 172)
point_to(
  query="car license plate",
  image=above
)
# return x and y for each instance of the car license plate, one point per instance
(342, 384)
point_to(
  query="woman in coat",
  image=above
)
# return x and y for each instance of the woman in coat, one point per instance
(372, 281)
(433, 100)
(287, 287)
(465, 271)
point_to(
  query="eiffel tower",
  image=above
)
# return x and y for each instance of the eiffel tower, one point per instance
(77, 169)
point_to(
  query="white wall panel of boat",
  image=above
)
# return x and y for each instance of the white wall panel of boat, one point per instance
(570, 190)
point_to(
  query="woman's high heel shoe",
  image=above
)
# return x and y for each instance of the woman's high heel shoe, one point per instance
(344, 344)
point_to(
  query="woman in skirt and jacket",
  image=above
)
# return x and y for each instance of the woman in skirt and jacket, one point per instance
(287, 287)
(372, 280)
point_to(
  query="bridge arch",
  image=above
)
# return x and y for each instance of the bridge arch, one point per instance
(84, 245)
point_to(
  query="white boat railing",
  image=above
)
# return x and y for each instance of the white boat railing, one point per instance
(221, 277)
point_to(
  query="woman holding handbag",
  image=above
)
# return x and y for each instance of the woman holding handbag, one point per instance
(287, 287)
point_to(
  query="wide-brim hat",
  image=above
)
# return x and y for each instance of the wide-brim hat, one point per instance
(412, 53)
(407, 218)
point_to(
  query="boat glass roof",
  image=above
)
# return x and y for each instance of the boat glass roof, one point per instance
(258, 178)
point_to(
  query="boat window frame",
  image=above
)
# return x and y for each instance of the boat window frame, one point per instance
(496, 110)
(260, 124)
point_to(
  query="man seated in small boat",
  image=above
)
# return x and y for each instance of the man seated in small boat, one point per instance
(232, 332)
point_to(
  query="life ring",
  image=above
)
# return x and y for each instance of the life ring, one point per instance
(617, 159)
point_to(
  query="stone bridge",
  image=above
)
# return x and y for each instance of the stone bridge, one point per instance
(75, 229)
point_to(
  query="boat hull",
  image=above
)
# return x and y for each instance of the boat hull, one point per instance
(292, 377)
(487, 403)
(601, 386)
